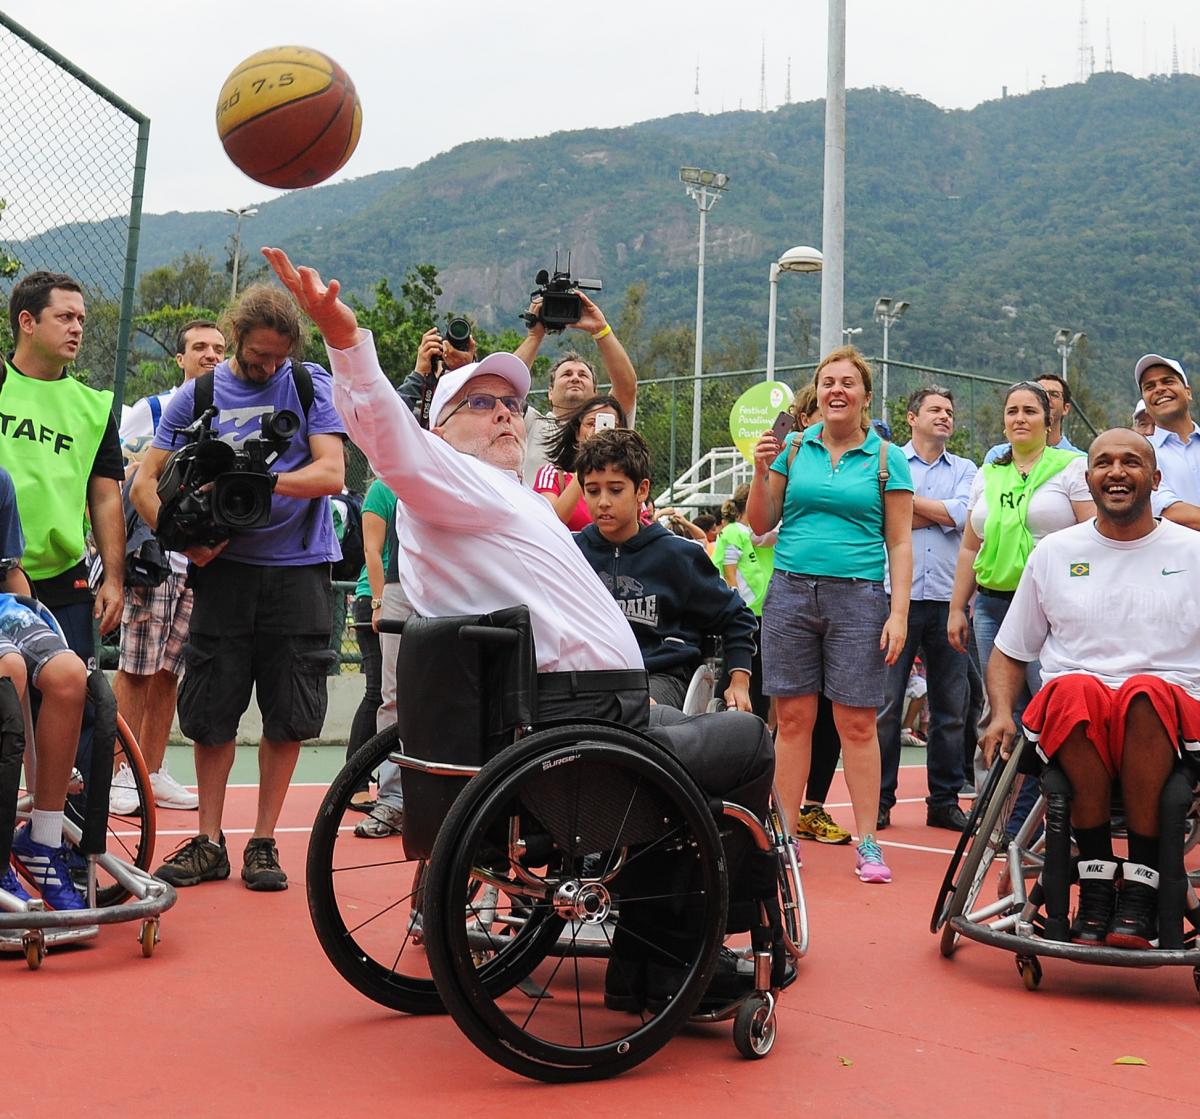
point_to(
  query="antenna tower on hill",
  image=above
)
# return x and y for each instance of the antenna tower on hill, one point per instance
(696, 91)
(1174, 52)
(1108, 45)
(787, 94)
(1085, 47)
(762, 79)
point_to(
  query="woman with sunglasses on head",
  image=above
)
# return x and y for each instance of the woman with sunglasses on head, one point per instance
(1030, 491)
(556, 480)
(829, 626)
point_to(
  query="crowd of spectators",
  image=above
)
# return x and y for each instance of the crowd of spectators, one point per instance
(856, 586)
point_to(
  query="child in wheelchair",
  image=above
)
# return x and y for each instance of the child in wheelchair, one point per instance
(32, 652)
(666, 586)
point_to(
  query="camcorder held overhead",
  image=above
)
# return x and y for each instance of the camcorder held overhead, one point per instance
(210, 489)
(561, 306)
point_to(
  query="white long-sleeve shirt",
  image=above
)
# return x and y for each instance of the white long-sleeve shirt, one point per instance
(472, 538)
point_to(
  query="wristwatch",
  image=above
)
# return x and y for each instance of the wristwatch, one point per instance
(377, 604)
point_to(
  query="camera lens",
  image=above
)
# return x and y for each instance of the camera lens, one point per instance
(283, 424)
(458, 333)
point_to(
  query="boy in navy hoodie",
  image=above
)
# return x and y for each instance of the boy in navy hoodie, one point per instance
(667, 586)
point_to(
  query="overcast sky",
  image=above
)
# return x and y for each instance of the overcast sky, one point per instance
(429, 79)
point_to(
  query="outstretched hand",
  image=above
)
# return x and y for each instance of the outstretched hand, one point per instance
(318, 300)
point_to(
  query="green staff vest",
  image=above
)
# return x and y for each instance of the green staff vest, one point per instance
(49, 434)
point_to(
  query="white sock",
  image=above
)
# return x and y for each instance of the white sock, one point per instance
(46, 828)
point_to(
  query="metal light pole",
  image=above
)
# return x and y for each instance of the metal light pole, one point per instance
(833, 222)
(705, 187)
(848, 333)
(887, 311)
(1064, 343)
(244, 212)
(802, 258)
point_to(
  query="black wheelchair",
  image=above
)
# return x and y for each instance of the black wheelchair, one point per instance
(1034, 867)
(546, 874)
(109, 854)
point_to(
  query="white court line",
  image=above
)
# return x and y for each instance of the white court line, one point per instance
(915, 847)
(899, 800)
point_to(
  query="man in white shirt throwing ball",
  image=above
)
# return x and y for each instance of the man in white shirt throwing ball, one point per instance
(1111, 608)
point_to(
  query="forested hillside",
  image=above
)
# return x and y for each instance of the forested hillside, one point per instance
(1069, 207)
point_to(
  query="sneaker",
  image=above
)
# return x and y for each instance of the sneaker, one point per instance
(169, 793)
(883, 818)
(11, 884)
(869, 865)
(47, 868)
(815, 823)
(1097, 900)
(1135, 924)
(383, 821)
(912, 738)
(194, 861)
(260, 866)
(967, 792)
(123, 799)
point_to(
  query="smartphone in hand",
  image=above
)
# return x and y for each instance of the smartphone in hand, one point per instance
(605, 421)
(784, 425)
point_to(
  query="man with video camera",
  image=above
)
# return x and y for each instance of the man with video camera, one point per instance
(572, 379)
(261, 613)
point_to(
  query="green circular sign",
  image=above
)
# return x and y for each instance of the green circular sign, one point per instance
(755, 412)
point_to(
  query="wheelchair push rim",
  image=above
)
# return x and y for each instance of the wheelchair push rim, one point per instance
(572, 785)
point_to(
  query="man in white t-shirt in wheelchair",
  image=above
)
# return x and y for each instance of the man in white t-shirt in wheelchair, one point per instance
(1111, 608)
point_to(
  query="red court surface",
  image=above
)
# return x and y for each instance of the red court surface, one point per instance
(239, 1014)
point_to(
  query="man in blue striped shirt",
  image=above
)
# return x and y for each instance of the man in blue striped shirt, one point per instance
(941, 487)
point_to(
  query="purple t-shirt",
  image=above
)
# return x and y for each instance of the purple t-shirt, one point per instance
(301, 529)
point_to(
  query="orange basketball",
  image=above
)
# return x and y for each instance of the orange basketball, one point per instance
(289, 117)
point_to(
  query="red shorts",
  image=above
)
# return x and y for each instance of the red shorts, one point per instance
(1068, 701)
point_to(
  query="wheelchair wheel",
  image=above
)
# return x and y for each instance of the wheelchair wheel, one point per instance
(996, 809)
(365, 901)
(946, 889)
(607, 831)
(129, 837)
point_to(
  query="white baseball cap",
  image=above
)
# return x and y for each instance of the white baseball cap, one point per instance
(449, 385)
(1148, 360)
(1139, 408)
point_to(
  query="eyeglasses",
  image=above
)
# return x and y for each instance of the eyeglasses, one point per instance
(486, 402)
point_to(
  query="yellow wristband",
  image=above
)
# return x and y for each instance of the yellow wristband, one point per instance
(602, 333)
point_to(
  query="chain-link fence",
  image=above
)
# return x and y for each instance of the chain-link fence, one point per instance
(71, 178)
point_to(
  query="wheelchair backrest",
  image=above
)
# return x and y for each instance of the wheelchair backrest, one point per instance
(465, 685)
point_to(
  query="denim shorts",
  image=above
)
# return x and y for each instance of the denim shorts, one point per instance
(821, 634)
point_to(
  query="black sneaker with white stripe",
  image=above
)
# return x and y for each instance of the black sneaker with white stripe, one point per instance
(1135, 924)
(1097, 900)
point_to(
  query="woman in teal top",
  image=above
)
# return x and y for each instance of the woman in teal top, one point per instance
(379, 510)
(827, 623)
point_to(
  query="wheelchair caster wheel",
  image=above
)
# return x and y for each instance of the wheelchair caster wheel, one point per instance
(1030, 968)
(754, 1027)
(34, 943)
(149, 936)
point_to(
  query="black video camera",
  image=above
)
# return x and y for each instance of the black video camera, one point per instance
(210, 489)
(561, 306)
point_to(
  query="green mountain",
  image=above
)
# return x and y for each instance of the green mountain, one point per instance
(1068, 207)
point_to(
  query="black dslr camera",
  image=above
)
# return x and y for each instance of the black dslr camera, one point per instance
(210, 489)
(561, 305)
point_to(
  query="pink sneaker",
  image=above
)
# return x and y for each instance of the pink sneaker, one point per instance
(869, 865)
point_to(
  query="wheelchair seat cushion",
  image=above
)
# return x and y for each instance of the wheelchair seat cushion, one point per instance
(729, 754)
